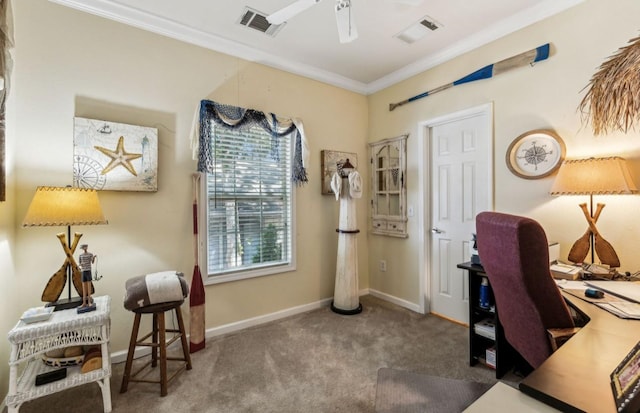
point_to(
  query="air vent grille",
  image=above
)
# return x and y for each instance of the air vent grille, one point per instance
(258, 21)
(429, 24)
(418, 30)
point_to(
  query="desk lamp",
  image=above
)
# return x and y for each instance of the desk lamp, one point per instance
(599, 176)
(60, 206)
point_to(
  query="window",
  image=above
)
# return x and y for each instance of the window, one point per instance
(249, 204)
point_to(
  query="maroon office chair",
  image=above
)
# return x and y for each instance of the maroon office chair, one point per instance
(515, 255)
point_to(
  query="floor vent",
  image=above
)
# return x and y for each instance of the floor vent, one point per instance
(258, 21)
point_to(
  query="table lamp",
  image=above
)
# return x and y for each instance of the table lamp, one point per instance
(593, 176)
(60, 206)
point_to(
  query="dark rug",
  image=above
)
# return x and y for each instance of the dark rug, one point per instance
(400, 391)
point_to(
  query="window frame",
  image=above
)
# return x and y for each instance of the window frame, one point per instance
(259, 270)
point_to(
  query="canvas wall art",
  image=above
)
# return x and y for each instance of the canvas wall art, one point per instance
(114, 156)
(328, 163)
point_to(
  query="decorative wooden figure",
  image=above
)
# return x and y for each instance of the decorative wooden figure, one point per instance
(347, 186)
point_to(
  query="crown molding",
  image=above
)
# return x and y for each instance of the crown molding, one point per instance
(172, 29)
(512, 24)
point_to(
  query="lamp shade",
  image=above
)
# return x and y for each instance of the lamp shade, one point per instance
(603, 176)
(63, 206)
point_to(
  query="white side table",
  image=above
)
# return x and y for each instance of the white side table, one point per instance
(64, 328)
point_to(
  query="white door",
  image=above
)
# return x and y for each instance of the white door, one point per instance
(461, 187)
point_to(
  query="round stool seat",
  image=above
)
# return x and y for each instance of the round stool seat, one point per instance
(155, 308)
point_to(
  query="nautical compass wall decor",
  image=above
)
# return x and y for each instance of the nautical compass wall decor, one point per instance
(535, 154)
(114, 156)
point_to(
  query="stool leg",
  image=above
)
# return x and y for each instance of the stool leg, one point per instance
(132, 349)
(154, 340)
(183, 338)
(163, 355)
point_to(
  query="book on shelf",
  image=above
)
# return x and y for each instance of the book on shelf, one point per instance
(485, 328)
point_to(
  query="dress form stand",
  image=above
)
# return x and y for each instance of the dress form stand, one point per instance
(347, 186)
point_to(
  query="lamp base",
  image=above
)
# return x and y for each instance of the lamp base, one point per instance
(65, 303)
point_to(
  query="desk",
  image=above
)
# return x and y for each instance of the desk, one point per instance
(576, 377)
(502, 398)
(64, 328)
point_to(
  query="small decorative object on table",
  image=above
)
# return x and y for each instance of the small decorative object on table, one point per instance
(84, 262)
(33, 315)
(625, 382)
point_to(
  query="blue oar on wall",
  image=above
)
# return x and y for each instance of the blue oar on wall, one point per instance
(489, 71)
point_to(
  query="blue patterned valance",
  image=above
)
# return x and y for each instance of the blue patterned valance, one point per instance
(212, 114)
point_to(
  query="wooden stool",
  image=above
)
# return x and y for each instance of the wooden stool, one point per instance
(158, 337)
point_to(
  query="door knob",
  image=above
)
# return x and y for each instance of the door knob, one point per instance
(436, 230)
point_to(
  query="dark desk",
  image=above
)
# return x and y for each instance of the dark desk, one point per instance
(576, 377)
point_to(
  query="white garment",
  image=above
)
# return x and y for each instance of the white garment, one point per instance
(355, 185)
(336, 185)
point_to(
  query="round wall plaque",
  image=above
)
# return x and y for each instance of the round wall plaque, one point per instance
(535, 154)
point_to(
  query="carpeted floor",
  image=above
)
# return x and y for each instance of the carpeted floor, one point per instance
(399, 391)
(313, 362)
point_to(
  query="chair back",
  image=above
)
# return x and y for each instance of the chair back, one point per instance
(515, 255)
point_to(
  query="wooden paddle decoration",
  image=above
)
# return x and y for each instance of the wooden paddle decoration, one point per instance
(58, 280)
(196, 296)
(523, 59)
(603, 248)
(581, 247)
(55, 285)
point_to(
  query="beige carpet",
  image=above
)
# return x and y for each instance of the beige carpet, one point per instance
(313, 362)
(400, 391)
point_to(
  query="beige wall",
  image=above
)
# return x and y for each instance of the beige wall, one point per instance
(72, 64)
(545, 96)
(69, 63)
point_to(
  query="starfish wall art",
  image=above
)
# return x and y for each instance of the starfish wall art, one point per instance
(114, 156)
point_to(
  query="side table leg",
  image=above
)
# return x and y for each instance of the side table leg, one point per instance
(105, 383)
(105, 387)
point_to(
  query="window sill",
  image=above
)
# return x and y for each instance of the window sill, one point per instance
(243, 275)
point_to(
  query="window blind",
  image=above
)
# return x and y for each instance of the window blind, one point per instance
(249, 200)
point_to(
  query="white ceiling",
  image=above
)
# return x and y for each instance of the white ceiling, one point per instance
(308, 43)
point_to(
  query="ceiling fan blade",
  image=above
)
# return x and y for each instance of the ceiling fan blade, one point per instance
(347, 31)
(290, 11)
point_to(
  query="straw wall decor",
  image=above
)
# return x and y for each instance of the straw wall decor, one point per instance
(613, 100)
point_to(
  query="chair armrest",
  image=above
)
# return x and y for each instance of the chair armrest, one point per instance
(559, 336)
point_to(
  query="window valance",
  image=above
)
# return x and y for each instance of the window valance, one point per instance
(213, 115)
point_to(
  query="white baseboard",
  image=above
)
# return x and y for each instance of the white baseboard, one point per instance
(395, 300)
(254, 321)
(121, 356)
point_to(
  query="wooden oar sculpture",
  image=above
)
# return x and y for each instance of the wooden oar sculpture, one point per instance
(581, 247)
(603, 248)
(527, 58)
(58, 280)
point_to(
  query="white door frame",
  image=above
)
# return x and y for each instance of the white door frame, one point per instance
(424, 198)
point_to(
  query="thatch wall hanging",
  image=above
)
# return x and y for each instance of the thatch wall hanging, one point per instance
(613, 100)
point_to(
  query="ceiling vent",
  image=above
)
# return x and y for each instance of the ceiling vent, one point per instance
(418, 30)
(258, 21)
